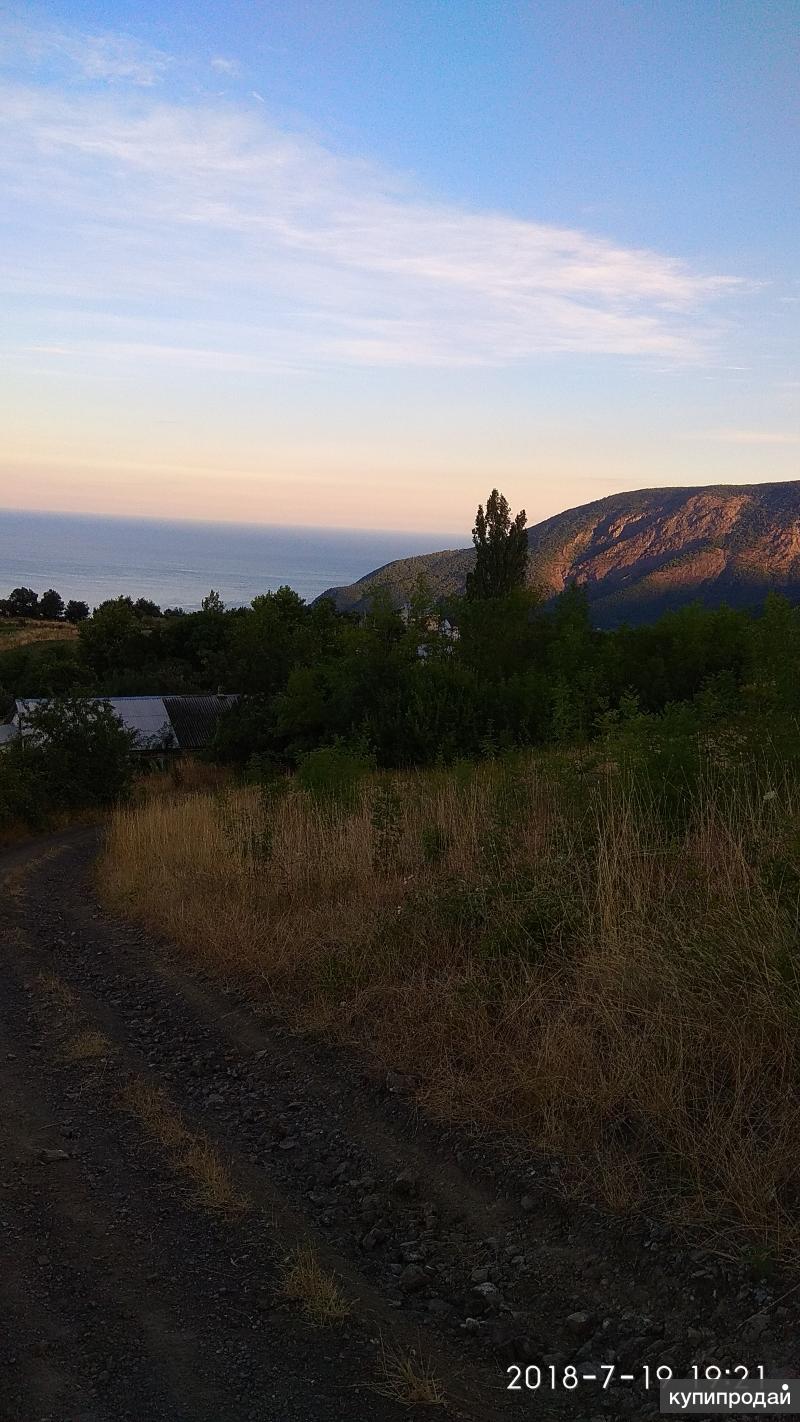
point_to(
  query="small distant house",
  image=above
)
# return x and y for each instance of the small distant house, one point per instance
(163, 724)
(436, 624)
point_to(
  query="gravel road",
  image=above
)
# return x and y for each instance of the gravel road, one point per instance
(131, 1292)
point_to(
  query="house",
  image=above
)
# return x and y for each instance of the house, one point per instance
(163, 724)
(436, 624)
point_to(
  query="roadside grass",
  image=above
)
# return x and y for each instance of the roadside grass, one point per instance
(191, 1154)
(185, 775)
(551, 950)
(87, 1046)
(408, 1379)
(58, 991)
(304, 1281)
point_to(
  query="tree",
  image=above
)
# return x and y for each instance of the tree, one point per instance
(79, 749)
(77, 611)
(51, 605)
(113, 640)
(501, 550)
(143, 607)
(212, 602)
(24, 602)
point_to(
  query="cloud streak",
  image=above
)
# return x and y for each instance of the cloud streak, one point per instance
(207, 210)
(108, 57)
(754, 437)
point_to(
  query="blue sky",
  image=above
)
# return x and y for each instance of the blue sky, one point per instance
(357, 262)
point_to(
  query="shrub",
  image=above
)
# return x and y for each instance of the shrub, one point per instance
(73, 754)
(334, 774)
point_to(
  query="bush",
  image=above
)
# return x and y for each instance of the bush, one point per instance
(334, 774)
(73, 754)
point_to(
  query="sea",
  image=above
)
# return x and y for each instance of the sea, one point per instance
(175, 563)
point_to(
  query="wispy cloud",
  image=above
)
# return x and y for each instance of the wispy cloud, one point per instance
(226, 66)
(735, 436)
(110, 57)
(128, 200)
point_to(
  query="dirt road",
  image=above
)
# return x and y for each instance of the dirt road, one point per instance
(164, 1152)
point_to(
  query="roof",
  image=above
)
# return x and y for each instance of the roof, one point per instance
(7, 733)
(194, 718)
(160, 722)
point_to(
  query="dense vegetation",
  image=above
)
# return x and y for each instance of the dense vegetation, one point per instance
(406, 691)
(75, 756)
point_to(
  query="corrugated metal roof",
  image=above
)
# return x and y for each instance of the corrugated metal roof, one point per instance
(160, 722)
(194, 718)
(146, 715)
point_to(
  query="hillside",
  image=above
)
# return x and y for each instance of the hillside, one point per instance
(638, 554)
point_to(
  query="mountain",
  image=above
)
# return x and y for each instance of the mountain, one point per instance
(638, 554)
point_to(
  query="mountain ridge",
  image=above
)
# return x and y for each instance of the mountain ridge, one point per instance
(638, 554)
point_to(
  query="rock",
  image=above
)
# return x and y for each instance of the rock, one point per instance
(481, 1274)
(405, 1184)
(373, 1238)
(412, 1278)
(371, 1206)
(754, 1327)
(527, 1203)
(579, 1324)
(489, 1293)
(400, 1085)
(52, 1155)
(509, 1333)
(440, 1307)
(288, 1144)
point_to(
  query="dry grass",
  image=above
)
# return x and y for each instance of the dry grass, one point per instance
(215, 1187)
(186, 775)
(304, 1281)
(191, 1155)
(408, 1379)
(22, 633)
(87, 1046)
(153, 1110)
(59, 992)
(556, 964)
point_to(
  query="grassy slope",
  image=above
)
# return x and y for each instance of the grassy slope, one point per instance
(535, 948)
(21, 633)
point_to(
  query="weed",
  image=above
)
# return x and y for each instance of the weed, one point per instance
(191, 1155)
(87, 1046)
(408, 1379)
(304, 1281)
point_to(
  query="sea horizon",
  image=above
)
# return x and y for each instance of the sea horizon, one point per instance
(175, 562)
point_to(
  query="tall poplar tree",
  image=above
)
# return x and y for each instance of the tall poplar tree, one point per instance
(501, 550)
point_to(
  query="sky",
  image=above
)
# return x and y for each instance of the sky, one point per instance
(354, 262)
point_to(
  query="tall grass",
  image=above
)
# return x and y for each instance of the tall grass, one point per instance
(546, 954)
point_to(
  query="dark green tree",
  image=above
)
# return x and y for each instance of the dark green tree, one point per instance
(51, 605)
(72, 753)
(501, 550)
(113, 641)
(23, 602)
(143, 607)
(77, 611)
(212, 602)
